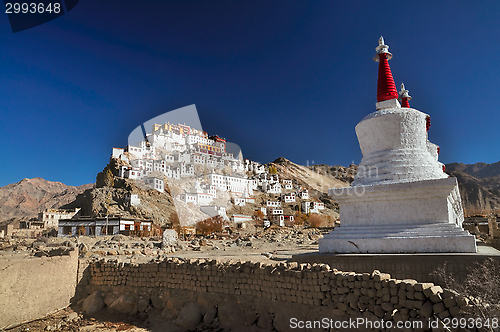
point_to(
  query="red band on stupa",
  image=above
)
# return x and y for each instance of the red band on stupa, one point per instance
(427, 123)
(405, 103)
(386, 89)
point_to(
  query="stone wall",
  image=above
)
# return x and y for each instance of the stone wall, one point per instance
(334, 293)
(421, 266)
(32, 287)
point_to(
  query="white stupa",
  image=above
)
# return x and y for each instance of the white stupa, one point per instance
(401, 200)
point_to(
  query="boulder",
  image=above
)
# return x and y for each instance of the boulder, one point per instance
(109, 298)
(124, 304)
(265, 322)
(231, 315)
(142, 304)
(72, 317)
(93, 303)
(167, 314)
(189, 316)
(68, 243)
(210, 315)
(119, 237)
(170, 238)
(39, 245)
(157, 301)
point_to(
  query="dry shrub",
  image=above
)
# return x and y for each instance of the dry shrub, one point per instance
(473, 211)
(258, 216)
(209, 226)
(481, 286)
(290, 223)
(299, 218)
(315, 220)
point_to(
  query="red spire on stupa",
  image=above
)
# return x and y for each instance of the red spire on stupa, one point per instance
(404, 97)
(386, 89)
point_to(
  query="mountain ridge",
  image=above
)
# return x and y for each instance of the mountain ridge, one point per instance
(479, 187)
(25, 198)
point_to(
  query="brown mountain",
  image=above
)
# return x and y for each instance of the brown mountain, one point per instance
(479, 185)
(317, 177)
(27, 197)
(109, 197)
(477, 170)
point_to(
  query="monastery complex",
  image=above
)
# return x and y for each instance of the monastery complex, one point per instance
(178, 153)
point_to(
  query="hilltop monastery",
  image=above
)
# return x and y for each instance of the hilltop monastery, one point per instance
(173, 151)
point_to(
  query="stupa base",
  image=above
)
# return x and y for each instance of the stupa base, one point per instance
(415, 217)
(422, 238)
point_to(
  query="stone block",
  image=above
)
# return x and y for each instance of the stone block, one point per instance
(448, 293)
(454, 311)
(381, 276)
(461, 301)
(427, 310)
(444, 314)
(408, 284)
(428, 292)
(449, 302)
(387, 306)
(378, 311)
(342, 306)
(435, 298)
(438, 308)
(419, 296)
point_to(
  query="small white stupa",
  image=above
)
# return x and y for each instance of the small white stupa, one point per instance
(401, 200)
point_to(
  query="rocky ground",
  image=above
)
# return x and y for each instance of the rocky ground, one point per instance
(274, 242)
(271, 245)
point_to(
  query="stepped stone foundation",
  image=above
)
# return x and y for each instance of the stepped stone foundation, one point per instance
(413, 217)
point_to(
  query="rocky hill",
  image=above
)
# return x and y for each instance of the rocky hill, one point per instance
(477, 170)
(27, 197)
(110, 194)
(344, 174)
(479, 185)
(318, 177)
(110, 197)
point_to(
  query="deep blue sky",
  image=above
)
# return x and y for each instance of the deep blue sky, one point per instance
(279, 78)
